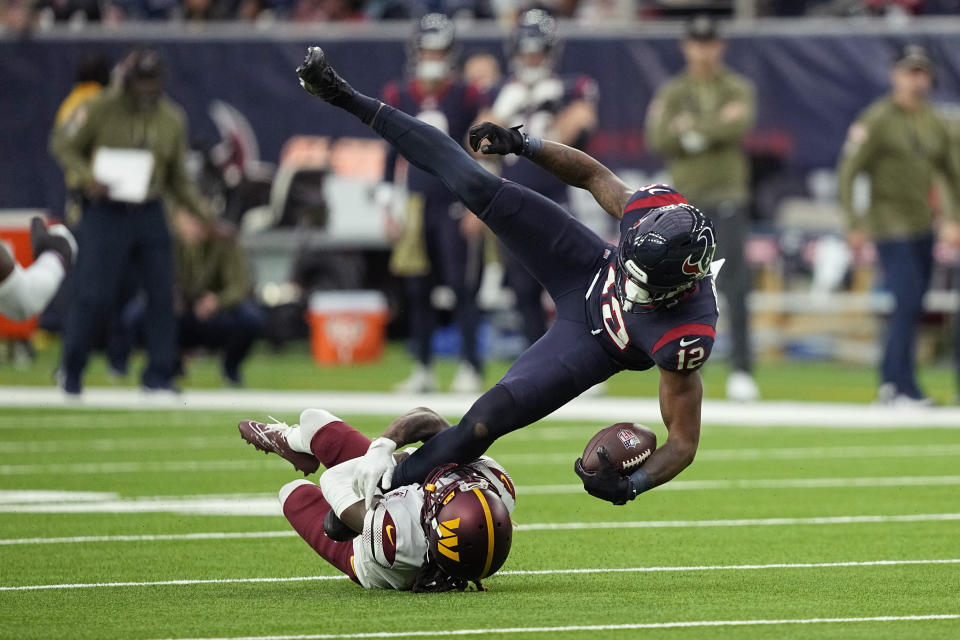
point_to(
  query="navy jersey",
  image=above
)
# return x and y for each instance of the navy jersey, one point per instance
(535, 107)
(677, 338)
(452, 111)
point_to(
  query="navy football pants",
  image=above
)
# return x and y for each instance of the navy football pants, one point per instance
(561, 253)
(907, 265)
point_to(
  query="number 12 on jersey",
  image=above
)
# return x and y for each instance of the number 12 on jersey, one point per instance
(690, 358)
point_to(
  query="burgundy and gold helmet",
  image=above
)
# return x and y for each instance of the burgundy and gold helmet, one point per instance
(466, 523)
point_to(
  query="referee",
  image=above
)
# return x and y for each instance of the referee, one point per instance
(116, 237)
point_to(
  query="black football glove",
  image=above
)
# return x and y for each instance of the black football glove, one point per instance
(604, 483)
(501, 141)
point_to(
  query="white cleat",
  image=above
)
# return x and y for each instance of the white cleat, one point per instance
(421, 380)
(466, 380)
(741, 387)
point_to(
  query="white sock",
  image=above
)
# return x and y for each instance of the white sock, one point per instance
(26, 292)
(311, 421)
(290, 487)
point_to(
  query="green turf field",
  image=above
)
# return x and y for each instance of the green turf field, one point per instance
(770, 498)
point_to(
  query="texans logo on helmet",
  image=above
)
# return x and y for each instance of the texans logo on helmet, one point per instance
(628, 438)
(702, 265)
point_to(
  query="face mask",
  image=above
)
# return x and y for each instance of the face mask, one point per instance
(432, 70)
(532, 75)
(633, 294)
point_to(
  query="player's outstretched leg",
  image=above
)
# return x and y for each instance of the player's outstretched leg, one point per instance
(421, 144)
(319, 438)
(305, 508)
(275, 438)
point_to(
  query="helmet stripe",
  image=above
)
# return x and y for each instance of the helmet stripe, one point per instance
(490, 540)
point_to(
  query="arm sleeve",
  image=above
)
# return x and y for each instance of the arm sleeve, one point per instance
(684, 348)
(857, 151)
(647, 198)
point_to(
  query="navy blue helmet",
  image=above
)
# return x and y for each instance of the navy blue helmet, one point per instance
(434, 33)
(535, 33)
(663, 256)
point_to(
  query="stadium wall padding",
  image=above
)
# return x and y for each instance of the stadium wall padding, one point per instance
(809, 88)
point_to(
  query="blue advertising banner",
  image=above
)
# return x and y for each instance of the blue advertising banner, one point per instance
(809, 86)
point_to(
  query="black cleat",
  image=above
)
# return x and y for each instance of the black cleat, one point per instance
(56, 238)
(321, 80)
(272, 438)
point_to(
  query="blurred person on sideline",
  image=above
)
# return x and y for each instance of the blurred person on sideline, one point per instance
(93, 74)
(215, 305)
(25, 292)
(213, 300)
(698, 121)
(439, 242)
(549, 105)
(134, 119)
(900, 142)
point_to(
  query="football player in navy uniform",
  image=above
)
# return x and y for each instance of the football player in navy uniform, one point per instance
(550, 105)
(437, 536)
(440, 242)
(649, 301)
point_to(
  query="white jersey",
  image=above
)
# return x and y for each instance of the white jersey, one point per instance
(393, 547)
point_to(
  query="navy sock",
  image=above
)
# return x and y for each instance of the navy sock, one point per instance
(364, 107)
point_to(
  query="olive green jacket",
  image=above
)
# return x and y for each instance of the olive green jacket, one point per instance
(218, 265)
(112, 120)
(698, 125)
(900, 151)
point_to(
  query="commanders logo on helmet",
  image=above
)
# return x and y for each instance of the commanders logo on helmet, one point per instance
(467, 525)
(663, 256)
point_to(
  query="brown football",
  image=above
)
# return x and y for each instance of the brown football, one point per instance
(628, 446)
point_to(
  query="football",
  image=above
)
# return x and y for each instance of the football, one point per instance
(628, 446)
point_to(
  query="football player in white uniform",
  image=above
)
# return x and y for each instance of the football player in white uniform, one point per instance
(26, 292)
(452, 530)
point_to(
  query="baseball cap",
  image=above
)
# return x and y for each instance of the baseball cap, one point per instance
(914, 56)
(702, 28)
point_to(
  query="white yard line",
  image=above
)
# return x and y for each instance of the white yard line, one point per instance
(753, 454)
(172, 466)
(541, 526)
(266, 504)
(596, 627)
(594, 410)
(538, 572)
(774, 483)
(166, 443)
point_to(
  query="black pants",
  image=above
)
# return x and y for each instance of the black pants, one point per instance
(115, 239)
(232, 331)
(907, 264)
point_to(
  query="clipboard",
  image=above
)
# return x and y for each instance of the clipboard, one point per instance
(125, 172)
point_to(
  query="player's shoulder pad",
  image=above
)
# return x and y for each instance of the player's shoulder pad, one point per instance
(684, 348)
(380, 535)
(652, 196)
